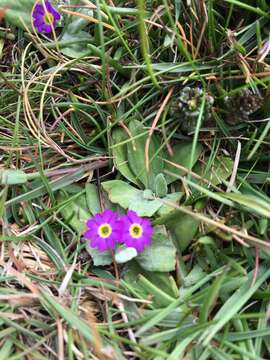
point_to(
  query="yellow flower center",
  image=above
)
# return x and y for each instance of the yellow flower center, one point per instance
(136, 230)
(105, 230)
(48, 18)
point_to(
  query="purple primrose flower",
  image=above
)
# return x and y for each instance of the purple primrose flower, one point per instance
(103, 230)
(45, 17)
(136, 231)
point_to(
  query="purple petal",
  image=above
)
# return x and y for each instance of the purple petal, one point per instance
(94, 243)
(38, 25)
(145, 238)
(139, 247)
(147, 230)
(52, 10)
(129, 241)
(102, 245)
(147, 234)
(108, 215)
(98, 218)
(38, 10)
(132, 216)
(111, 243)
(48, 6)
(117, 226)
(47, 28)
(38, 22)
(91, 223)
(88, 234)
(55, 14)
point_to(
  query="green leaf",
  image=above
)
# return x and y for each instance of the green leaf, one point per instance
(6, 348)
(120, 156)
(156, 319)
(143, 284)
(206, 240)
(75, 212)
(161, 187)
(74, 40)
(77, 23)
(181, 156)
(184, 227)
(68, 315)
(58, 184)
(100, 258)
(130, 198)
(92, 198)
(73, 45)
(232, 306)
(120, 192)
(12, 177)
(124, 254)
(220, 170)
(144, 207)
(161, 255)
(173, 198)
(136, 155)
(18, 12)
(195, 275)
(253, 203)
(211, 297)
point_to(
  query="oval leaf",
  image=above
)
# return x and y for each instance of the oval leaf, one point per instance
(18, 12)
(75, 212)
(92, 198)
(161, 255)
(100, 258)
(120, 155)
(123, 254)
(181, 156)
(136, 155)
(161, 187)
(130, 198)
(12, 177)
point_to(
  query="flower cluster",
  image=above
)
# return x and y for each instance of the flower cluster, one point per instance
(108, 228)
(45, 16)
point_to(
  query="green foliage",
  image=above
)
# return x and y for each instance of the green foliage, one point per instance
(92, 198)
(161, 188)
(137, 156)
(74, 211)
(181, 156)
(219, 170)
(143, 202)
(141, 283)
(129, 157)
(119, 152)
(161, 255)
(251, 203)
(18, 12)
(161, 108)
(74, 39)
(12, 177)
(99, 258)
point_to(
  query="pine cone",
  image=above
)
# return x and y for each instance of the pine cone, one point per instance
(187, 107)
(242, 105)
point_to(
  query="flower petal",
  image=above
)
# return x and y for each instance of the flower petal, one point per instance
(39, 12)
(103, 243)
(138, 243)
